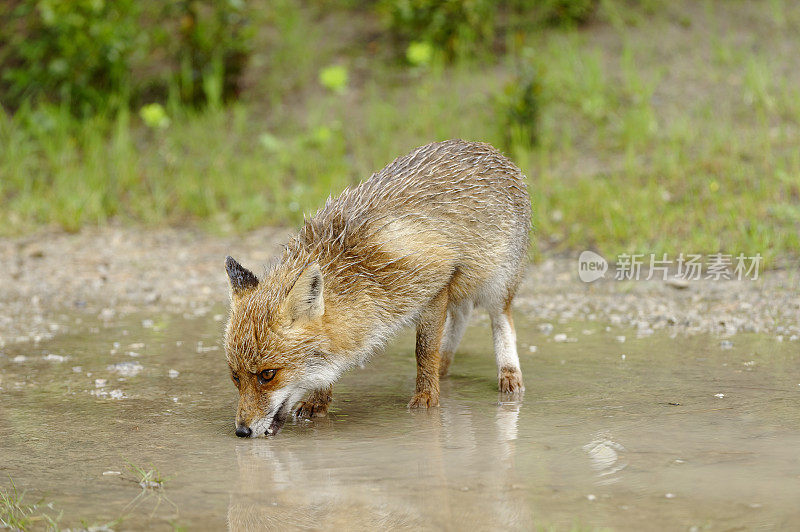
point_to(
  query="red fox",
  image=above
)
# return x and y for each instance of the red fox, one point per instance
(421, 242)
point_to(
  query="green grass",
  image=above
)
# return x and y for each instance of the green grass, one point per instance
(17, 514)
(666, 130)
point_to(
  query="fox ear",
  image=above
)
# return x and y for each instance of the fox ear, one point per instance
(242, 280)
(305, 297)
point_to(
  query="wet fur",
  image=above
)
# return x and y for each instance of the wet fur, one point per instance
(420, 243)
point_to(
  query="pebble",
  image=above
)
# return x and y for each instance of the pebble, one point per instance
(719, 395)
(116, 394)
(19, 358)
(203, 349)
(560, 337)
(620, 339)
(173, 373)
(532, 348)
(546, 328)
(50, 357)
(726, 344)
(126, 369)
(677, 282)
(113, 394)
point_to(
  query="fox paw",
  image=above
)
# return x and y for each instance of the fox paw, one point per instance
(310, 409)
(511, 380)
(424, 400)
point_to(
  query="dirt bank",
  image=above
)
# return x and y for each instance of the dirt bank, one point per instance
(46, 279)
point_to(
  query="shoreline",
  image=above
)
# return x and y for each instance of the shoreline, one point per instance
(108, 272)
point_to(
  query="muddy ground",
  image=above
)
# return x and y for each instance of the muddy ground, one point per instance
(45, 279)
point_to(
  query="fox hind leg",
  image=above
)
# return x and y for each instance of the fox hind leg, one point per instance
(429, 341)
(316, 405)
(509, 373)
(457, 319)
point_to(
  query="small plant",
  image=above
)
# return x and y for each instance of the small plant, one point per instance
(154, 116)
(152, 484)
(334, 78)
(148, 479)
(519, 107)
(419, 53)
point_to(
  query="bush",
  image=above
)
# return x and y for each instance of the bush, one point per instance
(75, 52)
(558, 12)
(568, 12)
(457, 27)
(92, 55)
(214, 42)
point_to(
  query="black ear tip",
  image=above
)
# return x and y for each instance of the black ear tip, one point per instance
(241, 278)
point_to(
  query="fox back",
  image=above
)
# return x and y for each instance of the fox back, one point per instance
(445, 226)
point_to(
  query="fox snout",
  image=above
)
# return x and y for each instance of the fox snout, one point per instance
(254, 415)
(268, 424)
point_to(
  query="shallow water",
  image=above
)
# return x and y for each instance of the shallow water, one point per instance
(680, 433)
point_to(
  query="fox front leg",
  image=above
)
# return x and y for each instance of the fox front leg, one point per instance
(316, 405)
(429, 342)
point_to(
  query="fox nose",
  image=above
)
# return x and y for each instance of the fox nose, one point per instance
(243, 432)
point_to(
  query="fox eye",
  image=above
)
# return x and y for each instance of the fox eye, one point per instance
(235, 378)
(266, 375)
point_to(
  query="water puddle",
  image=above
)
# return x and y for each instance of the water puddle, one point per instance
(614, 431)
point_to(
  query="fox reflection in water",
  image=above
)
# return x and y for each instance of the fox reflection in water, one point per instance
(455, 469)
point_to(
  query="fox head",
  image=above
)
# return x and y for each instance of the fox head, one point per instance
(276, 343)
